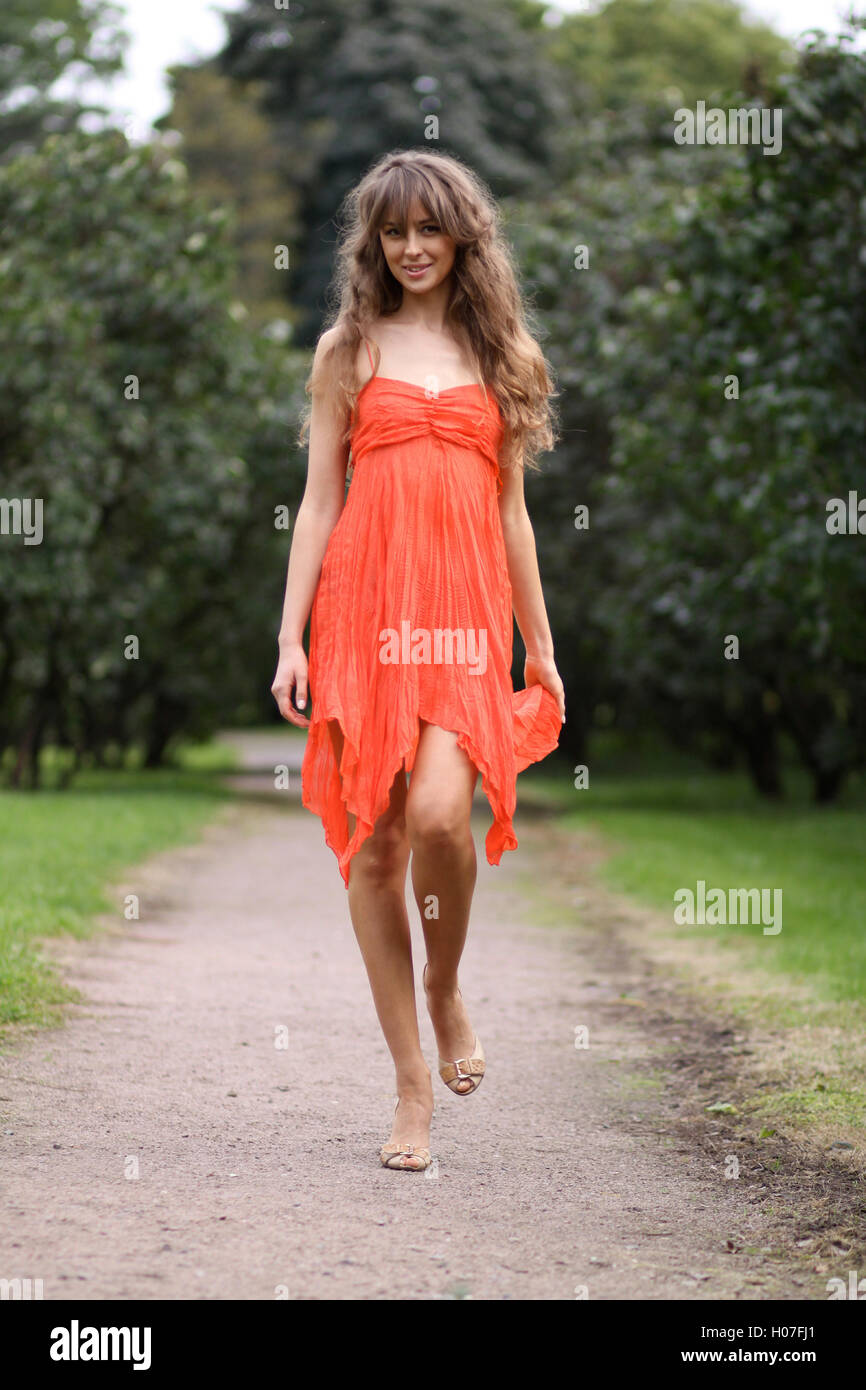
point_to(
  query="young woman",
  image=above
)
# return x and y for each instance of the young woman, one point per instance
(429, 387)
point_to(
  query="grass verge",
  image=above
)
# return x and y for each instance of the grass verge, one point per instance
(645, 829)
(58, 849)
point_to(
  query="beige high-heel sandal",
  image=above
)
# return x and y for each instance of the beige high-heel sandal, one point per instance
(389, 1152)
(465, 1068)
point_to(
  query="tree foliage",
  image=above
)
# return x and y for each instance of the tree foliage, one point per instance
(632, 53)
(235, 160)
(155, 431)
(758, 286)
(39, 46)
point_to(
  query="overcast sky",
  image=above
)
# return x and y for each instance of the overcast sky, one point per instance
(163, 32)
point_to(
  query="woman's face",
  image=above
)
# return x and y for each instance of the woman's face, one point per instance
(420, 255)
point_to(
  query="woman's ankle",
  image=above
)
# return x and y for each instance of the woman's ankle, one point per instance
(415, 1084)
(441, 987)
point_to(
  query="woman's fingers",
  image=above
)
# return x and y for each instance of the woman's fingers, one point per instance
(289, 713)
(291, 679)
(544, 673)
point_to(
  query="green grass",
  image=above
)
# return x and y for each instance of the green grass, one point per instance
(672, 823)
(58, 849)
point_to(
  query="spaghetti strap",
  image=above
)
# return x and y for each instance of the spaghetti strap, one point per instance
(370, 355)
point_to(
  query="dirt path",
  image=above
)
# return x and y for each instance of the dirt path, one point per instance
(257, 1165)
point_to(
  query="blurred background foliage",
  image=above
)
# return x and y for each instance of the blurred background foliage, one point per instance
(39, 46)
(707, 515)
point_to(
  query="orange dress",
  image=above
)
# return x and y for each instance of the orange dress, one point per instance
(412, 615)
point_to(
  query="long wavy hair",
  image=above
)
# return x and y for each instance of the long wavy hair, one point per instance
(487, 312)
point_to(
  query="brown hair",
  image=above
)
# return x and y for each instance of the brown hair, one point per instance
(487, 312)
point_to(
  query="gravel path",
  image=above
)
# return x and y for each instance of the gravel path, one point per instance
(164, 1145)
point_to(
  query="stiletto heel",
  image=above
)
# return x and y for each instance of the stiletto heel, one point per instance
(465, 1068)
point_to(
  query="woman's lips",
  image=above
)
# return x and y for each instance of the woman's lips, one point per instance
(417, 271)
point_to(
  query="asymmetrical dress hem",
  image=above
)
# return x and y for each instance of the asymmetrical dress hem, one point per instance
(537, 724)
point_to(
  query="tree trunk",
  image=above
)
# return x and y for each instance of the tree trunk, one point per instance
(827, 782)
(164, 721)
(761, 746)
(25, 745)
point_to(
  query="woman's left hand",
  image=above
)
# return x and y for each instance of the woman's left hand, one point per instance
(542, 671)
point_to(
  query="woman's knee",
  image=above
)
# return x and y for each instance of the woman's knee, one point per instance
(437, 822)
(384, 853)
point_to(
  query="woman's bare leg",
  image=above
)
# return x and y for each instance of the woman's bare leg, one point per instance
(377, 907)
(437, 812)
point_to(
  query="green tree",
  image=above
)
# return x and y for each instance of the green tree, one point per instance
(740, 373)
(235, 160)
(156, 432)
(38, 46)
(631, 53)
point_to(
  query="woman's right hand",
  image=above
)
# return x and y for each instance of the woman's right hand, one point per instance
(291, 676)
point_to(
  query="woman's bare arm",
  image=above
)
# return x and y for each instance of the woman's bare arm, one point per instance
(321, 505)
(526, 592)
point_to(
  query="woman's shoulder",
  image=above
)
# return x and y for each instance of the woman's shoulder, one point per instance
(327, 356)
(328, 340)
